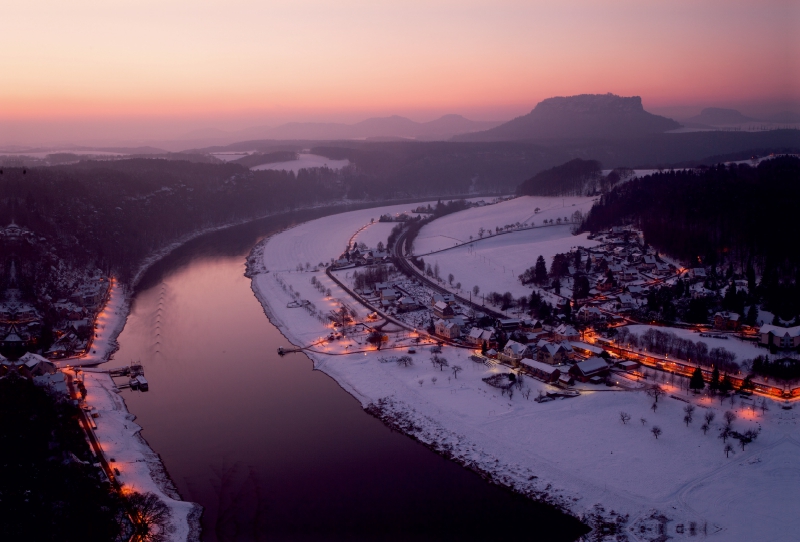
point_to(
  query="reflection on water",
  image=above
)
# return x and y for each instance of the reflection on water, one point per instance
(274, 450)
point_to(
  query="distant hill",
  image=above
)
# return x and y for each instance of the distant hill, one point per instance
(579, 117)
(717, 116)
(568, 179)
(391, 127)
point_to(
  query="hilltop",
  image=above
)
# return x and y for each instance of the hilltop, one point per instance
(575, 117)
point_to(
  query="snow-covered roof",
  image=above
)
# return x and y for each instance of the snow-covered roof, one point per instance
(515, 347)
(780, 331)
(591, 365)
(539, 366)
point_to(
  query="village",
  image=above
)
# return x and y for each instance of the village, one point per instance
(593, 293)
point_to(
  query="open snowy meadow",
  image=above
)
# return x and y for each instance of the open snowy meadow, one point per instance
(305, 161)
(576, 452)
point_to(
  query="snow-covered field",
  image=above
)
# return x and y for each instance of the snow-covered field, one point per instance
(305, 161)
(573, 452)
(140, 468)
(458, 227)
(743, 350)
(495, 264)
(375, 233)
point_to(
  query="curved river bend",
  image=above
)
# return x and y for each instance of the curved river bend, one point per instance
(274, 450)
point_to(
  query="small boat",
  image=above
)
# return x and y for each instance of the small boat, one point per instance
(281, 351)
(133, 383)
(143, 385)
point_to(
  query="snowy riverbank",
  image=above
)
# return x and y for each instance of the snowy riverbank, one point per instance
(140, 468)
(574, 453)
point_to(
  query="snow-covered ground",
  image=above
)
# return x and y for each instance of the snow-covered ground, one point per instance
(495, 264)
(140, 468)
(375, 233)
(305, 161)
(743, 350)
(572, 452)
(458, 227)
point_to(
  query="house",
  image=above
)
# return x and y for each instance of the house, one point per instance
(478, 336)
(446, 329)
(407, 303)
(450, 299)
(625, 301)
(565, 332)
(781, 337)
(540, 370)
(592, 367)
(726, 320)
(589, 314)
(534, 326)
(389, 294)
(443, 310)
(565, 380)
(508, 324)
(514, 351)
(698, 273)
(628, 365)
(552, 354)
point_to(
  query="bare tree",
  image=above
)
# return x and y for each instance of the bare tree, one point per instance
(405, 361)
(655, 392)
(624, 417)
(450, 279)
(689, 410)
(420, 382)
(705, 428)
(656, 430)
(147, 511)
(456, 369)
(729, 416)
(526, 393)
(728, 449)
(643, 420)
(654, 406)
(709, 416)
(439, 361)
(476, 290)
(764, 407)
(434, 379)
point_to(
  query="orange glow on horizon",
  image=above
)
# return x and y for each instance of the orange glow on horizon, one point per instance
(149, 65)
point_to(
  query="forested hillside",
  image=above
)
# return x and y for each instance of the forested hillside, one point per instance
(727, 216)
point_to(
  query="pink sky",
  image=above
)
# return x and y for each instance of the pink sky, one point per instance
(128, 69)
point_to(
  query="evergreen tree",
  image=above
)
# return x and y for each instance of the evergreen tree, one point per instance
(714, 384)
(697, 383)
(557, 286)
(568, 311)
(726, 385)
(484, 348)
(540, 270)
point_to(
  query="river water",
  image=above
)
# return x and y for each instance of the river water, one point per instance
(274, 450)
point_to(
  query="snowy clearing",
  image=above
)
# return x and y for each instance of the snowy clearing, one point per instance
(494, 264)
(305, 161)
(458, 227)
(572, 452)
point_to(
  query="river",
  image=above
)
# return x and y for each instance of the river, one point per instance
(274, 450)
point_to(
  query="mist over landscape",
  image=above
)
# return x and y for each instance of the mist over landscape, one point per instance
(438, 270)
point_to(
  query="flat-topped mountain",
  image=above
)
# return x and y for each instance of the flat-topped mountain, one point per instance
(583, 116)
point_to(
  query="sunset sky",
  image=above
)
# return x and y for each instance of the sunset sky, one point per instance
(128, 69)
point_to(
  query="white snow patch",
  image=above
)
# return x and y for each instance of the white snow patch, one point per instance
(304, 161)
